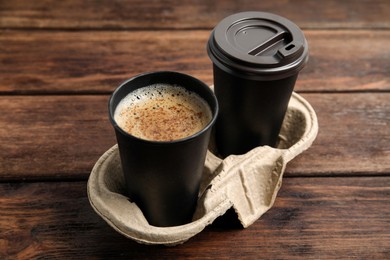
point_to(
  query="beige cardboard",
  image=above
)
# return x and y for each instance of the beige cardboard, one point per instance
(249, 183)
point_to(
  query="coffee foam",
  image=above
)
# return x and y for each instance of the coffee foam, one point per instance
(162, 112)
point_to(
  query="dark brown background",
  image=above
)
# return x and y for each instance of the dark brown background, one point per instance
(60, 60)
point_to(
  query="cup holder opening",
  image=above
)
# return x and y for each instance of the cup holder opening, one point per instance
(227, 221)
(293, 128)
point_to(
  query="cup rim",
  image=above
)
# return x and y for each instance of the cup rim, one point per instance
(214, 107)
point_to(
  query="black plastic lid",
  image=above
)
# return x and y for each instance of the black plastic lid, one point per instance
(258, 44)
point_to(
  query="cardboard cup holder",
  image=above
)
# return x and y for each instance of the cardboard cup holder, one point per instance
(248, 183)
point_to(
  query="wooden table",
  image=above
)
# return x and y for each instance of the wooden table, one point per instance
(59, 62)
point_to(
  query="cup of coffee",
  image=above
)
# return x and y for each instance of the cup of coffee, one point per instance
(162, 122)
(256, 60)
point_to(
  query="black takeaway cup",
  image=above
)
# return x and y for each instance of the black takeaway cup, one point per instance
(256, 60)
(163, 176)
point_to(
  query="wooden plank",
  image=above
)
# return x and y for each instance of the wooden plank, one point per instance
(312, 217)
(60, 137)
(52, 136)
(187, 14)
(353, 136)
(96, 62)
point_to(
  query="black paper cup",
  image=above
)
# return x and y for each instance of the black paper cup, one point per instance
(163, 177)
(256, 60)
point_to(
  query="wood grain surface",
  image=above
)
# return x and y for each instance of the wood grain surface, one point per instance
(312, 218)
(188, 14)
(97, 62)
(61, 137)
